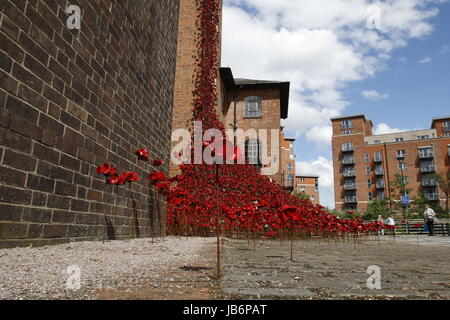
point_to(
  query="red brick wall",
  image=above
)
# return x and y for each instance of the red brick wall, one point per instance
(270, 116)
(73, 99)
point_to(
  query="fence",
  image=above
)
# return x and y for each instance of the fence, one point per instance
(410, 227)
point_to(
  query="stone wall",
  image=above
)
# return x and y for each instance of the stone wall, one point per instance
(73, 99)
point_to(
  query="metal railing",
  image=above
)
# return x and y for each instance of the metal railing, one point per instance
(380, 185)
(347, 148)
(348, 161)
(426, 155)
(429, 168)
(379, 171)
(431, 196)
(349, 174)
(352, 199)
(350, 186)
(429, 183)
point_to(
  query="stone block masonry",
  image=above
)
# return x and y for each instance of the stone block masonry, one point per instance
(71, 100)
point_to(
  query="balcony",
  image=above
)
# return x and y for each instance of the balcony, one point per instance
(427, 169)
(432, 196)
(350, 186)
(348, 161)
(378, 159)
(379, 171)
(348, 148)
(350, 199)
(429, 183)
(426, 155)
(380, 185)
(349, 174)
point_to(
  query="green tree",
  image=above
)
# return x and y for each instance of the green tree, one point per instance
(443, 182)
(375, 208)
(397, 188)
(302, 195)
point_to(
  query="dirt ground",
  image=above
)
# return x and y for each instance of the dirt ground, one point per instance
(180, 269)
(337, 269)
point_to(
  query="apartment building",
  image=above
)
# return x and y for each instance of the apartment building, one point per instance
(365, 164)
(308, 184)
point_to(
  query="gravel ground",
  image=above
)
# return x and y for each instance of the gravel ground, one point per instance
(337, 270)
(111, 269)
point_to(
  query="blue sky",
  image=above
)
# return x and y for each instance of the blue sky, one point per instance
(398, 74)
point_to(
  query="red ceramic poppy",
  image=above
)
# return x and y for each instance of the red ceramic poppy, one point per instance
(142, 154)
(158, 162)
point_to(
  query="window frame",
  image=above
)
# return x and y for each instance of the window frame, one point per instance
(248, 114)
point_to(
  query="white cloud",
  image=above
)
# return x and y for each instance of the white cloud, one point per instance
(384, 128)
(425, 60)
(324, 169)
(445, 49)
(319, 48)
(374, 95)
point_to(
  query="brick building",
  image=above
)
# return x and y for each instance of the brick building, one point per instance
(287, 162)
(257, 104)
(73, 99)
(308, 184)
(244, 103)
(365, 164)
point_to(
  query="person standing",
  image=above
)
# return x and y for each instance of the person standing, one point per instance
(380, 220)
(391, 225)
(429, 217)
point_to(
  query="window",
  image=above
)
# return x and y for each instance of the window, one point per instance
(289, 167)
(400, 139)
(405, 180)
(252, 152)
(290, 179)
(447, 134)
(370, 196)
(369, 183)
(377, 141)
(302, 179)
(252, 107)
(347, 132)
(402, 166)
(377, 156)
(347, 124)
(380, 195)
(401, 153)
(423, 137)
(448, 150)
(348, 146)
(367, 157)
(368, 171)
(317, 184)
(302, 188)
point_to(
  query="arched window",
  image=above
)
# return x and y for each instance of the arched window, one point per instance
(253, 152)
(252, 108)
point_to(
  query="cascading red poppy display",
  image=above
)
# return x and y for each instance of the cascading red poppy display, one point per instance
(234, 198)
(248, 201)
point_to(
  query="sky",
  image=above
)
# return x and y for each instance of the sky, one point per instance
(387, 59)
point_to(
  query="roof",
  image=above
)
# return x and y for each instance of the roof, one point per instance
(437, 119)
(239, 83)
(307, 176)
(349, 116)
